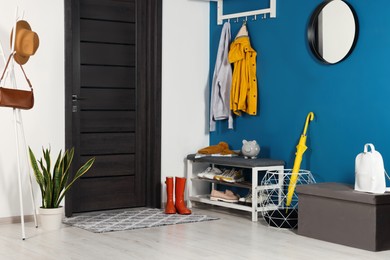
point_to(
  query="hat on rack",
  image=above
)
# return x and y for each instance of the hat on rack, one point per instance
(26, 42)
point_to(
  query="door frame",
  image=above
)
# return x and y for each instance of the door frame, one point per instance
(149, 15)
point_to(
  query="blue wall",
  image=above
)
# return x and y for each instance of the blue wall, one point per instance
(350, 99)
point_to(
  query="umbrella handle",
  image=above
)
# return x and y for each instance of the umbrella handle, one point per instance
(310, 117)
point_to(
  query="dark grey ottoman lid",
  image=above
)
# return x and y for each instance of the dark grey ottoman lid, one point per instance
(342, 191)
(238, 161)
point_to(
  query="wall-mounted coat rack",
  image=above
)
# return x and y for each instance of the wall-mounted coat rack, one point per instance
(271, 11)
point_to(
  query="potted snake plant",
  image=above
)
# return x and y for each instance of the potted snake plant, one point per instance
(54, 182)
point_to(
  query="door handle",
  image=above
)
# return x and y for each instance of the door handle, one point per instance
(75, 98)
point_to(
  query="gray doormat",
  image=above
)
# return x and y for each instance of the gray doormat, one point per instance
(128, 219)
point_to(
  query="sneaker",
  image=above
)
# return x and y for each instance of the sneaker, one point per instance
(247, 200)
(227, 196)
(209, 173)
(221, 175)
(233, 176)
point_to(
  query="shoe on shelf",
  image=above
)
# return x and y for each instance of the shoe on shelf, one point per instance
(209, 173)
(227, 196)
(247, 200)
(219, 177)
(233, 176)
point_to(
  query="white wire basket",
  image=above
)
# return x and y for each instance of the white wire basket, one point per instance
(275, 188)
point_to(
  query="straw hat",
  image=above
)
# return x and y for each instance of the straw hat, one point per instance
(26, 42)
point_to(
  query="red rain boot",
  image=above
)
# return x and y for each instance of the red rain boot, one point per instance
(179, 196)
(170, 207)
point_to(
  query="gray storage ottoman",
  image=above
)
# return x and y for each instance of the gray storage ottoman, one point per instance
(334, 212)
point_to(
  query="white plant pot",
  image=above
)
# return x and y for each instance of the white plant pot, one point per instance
(50, 219)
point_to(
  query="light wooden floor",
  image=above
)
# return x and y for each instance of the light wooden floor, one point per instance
(234, 236)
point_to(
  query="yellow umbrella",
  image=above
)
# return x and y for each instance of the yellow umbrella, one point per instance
(301, 148)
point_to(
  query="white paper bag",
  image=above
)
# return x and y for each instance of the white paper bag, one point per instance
(370, 171)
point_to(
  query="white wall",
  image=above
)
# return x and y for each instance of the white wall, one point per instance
(185, 66)
(184, 89)
(44, 124)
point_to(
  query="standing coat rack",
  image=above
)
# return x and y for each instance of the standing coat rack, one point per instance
(271, 11)
(20, 137)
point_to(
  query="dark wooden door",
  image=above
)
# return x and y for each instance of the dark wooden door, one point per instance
(109, 104)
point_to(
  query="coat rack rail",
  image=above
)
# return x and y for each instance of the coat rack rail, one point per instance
(271, 10)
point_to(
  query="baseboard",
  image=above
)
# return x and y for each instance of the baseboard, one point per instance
(16, 219)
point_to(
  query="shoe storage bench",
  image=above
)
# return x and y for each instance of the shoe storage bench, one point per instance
(199, 188)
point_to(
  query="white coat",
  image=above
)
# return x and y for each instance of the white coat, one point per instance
(222, 82)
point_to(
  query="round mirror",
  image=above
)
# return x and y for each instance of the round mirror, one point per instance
(333, 31)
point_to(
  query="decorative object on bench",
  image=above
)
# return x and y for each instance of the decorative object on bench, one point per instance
(54, 183)
(278, 213)
(301, 148)
(250, 149)
(370, 171)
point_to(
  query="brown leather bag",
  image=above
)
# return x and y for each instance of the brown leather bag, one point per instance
(16, 98)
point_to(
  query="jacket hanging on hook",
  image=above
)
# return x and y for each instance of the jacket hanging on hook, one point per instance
(243, 31)
(221, 84)
(243, 96)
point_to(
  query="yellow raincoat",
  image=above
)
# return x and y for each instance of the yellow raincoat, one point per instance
(243, 95)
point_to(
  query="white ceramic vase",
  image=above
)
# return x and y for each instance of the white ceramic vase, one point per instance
(50, 219)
